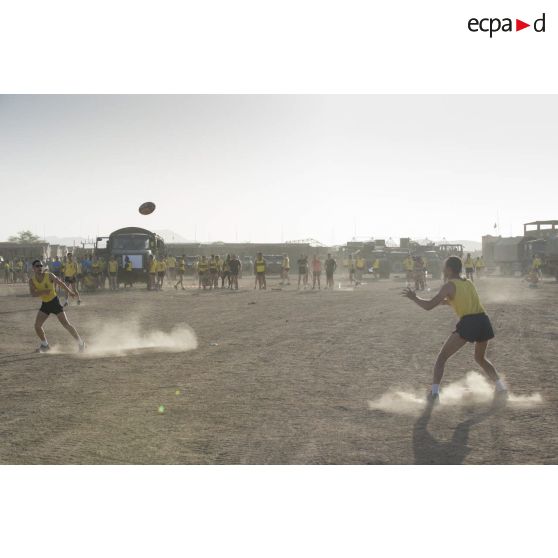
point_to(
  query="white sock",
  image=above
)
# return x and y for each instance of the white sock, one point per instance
(500, 386)
(44, 343)
(435, 389)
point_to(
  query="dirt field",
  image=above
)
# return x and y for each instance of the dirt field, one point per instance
(294, 377)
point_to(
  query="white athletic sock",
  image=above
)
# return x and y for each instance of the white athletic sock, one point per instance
(44, 343)
(435, 389)
(500, 386)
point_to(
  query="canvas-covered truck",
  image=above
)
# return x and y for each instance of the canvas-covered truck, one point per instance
(136, 243)
(510, 255)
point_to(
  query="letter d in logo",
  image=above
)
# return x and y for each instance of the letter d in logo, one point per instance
(539, 25)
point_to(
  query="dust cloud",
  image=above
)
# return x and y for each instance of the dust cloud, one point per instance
(121, 338)
(472, 389)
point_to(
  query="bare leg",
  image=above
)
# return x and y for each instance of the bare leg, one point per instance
(39, 321)
(453, 343)
(62, 318)
(483, 362)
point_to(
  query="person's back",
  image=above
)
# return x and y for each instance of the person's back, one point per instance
(466, 301)
(316, 265)
(330, 265)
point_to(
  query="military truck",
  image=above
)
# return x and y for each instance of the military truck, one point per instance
(274, 263)
(541, 238)
(447, 250)
(510, 255)
(136, 243)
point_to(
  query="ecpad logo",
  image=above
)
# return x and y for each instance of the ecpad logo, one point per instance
(493, 25)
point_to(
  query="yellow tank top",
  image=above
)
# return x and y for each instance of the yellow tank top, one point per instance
(45, 285)
(466, 300)
(202, 267)
(129, 266)
(113, 266)
(153, 267)
(70, 269)
(260, 266)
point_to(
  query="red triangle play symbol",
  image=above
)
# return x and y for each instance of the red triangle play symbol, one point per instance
(519, 25)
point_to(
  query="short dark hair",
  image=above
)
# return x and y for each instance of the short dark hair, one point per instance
(455, 264)
(36, 262)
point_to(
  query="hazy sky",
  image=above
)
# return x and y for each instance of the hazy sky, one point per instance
(272, 168)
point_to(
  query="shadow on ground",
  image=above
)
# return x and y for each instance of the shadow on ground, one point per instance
(430, 451)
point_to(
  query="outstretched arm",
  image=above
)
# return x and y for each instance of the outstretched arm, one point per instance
(446, 292)
(62, 285)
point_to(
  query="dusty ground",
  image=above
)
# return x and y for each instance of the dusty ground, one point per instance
(295, 377)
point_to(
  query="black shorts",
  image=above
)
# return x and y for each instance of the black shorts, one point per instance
(475, 328)
(160, 274)
(112, 273)
(51, 307)
(260, 273)
(69, 280)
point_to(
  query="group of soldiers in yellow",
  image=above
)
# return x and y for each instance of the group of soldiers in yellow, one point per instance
(357, 267)
(14, 271)
(208, 271)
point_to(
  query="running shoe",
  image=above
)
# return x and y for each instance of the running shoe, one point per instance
(433, 398)
(81, 347)
(43, 349)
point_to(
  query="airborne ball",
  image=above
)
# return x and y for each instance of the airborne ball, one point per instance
(146, 208)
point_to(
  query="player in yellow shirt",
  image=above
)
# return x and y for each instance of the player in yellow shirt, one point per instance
(260, 267)
(408, 266)
(152, 273)
(70, 273)
(112, 268)
(469, 267)
(18, 269)
(96, 271)
(479, 266)
(128, 273)
(43, 284)
(161, 272)
(360, 264)
(171, 267)
(473, 327)
(181, 270)
(536, 265)
(203, 273)
(376, 268)
(213, 271)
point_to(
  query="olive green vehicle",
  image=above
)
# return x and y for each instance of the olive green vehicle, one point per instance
(135, 243)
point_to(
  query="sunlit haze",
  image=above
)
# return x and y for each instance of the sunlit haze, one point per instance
(278, 168)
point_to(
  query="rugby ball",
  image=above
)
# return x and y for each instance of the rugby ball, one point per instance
(146, 208)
